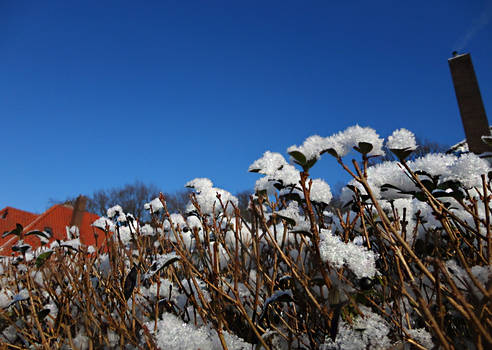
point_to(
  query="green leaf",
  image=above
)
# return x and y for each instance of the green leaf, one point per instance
(364, 147)
(42, 258)
(299, 158)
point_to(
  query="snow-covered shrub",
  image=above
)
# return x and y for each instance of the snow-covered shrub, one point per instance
(405, 263)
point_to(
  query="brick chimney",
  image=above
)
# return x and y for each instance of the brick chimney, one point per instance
(470, 102)
(78, 211)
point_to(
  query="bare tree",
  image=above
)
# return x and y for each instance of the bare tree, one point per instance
(176, 202)
(131, 198)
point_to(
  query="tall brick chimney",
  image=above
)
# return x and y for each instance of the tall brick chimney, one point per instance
(78, 211)
(470, 102)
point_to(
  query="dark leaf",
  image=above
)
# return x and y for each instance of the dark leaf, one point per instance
(43, 313)
(309, 164)
(302, 232)
(278, 186)
(284, 296)
(299, 158)
(130, 282)
(330, 151)
(292, 196)
(364, 147)
(403, 153)
(157, 266)
(285, 282)
(386, 187)
(365, 283)
(430, 185)
(21, 248)
(317, 281)
(423, 173)
(38, 233)
(352, 188)
(289, 221)
(16, 231)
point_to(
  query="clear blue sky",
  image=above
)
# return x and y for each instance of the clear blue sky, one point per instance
(96, 94)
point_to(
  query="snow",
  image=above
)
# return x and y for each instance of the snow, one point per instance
(114, 211)
(311, 148)
(422, 337)
(401, 139)
(342, 143)
(482, 273)
(368, 332)
(5, 298)
(466, 168)
(102, 223)
(359, 260)
(268, 164)
(288, 175)
(155, 204)
(291, 212)
(320, 192)
(172, 333)
(206, 196)
(176, 219)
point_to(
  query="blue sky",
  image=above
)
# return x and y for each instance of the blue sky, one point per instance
(97, 94)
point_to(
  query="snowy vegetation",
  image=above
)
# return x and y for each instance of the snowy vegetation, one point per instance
(404, 264)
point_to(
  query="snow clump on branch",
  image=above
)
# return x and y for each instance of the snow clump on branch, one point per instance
(402, 139)
(358, 259)
(341, 143)
(206, 197)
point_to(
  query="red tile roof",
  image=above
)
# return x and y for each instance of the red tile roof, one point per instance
(10, 216)
(57, 218)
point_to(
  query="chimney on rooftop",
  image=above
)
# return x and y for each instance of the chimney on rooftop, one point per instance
(78, 211)
(470, 102)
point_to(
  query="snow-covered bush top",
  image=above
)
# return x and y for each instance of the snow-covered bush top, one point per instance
(444, 167)
(206, 196)
(401, 139)
(155, 205)
(268, 164)
(342, 143)
(295, 276)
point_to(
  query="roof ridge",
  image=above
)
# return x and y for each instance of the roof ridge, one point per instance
(24, 211)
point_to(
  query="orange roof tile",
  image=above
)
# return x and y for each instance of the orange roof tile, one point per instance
(10, 216)
(57, 218)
